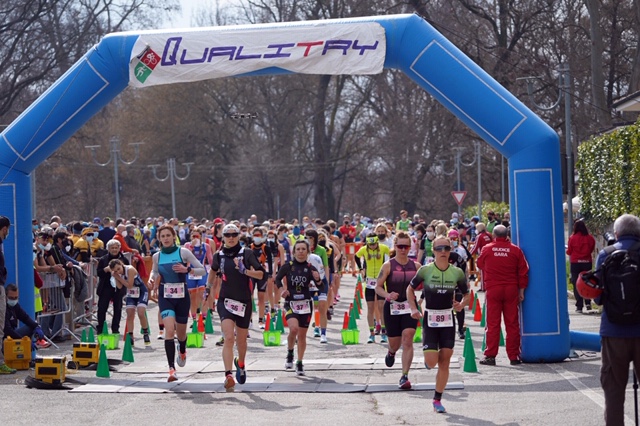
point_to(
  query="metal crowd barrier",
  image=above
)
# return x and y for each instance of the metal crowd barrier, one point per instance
(54, 303)
(89, 305)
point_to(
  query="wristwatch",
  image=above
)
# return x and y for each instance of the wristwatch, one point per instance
(188, 269)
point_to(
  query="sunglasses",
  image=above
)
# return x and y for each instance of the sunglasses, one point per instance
(402, 246)
(442, 248)
(231, 235)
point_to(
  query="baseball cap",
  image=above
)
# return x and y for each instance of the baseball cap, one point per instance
(96, 220)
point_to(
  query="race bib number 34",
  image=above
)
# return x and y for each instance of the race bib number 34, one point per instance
(174, 290)
(235, 307)
(439, 318)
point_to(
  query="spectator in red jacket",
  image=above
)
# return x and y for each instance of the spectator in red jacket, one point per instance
(506, 275)
(482, 239)
(580, 250)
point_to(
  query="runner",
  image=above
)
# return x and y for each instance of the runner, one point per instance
(298, 274)
(311, 236)
(196, 282)
(458, 257)
(376, 255)
(234, 267)
(137, 296)
(168, 275)
(261, 252)
(394, 278)
(439, 280)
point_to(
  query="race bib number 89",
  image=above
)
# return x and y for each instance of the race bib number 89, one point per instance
(439, 318)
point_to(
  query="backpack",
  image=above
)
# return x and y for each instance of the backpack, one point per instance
(621, 289)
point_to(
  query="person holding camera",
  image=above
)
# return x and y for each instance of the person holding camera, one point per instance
(580, 249)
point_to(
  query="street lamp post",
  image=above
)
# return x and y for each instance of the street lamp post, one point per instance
(172, 173)
(456, 170)
(564, 86)
(115, 156)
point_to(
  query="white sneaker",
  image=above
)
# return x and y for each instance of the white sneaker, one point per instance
(323, 338)
(160, 335)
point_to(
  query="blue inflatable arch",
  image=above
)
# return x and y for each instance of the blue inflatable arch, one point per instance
(344, 46)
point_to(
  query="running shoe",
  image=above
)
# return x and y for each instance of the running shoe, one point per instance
(5, 369)
(323, 338)
(316, 332)
(390, 359)
(330, 313)
(300, 369)
(461, 334)
(437, 407)
(372, 339)
(516, 361)
(181, 358)
(288, 364)
(172, 375)
(220, 342)
(261, 325)
(42, 344)
(229, 384)
(383, 339)
(160, 335)
(147, 339)
(404, 383)
(241, 373)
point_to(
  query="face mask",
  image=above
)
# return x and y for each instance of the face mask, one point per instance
(271, 240)
(258, 240)
(382, 236)
(322, 243)
(45, 248)
(123, 233)
(35, 227)
(35, 255)
(455, 244)
(196, 242)
(67, 248)
(454, 220)
(113, 282)
(430, 234)
(12, 303)
(241, 243)
(175, 228)
(286, 234)
(89, 238)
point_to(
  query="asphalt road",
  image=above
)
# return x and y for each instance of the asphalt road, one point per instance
(566, 393)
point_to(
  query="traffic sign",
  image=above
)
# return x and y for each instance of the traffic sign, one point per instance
(459, 196)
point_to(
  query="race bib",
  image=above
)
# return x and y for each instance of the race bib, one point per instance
(235, 307)
(174, 290)
(371, 283)
(195, 277)
(400, 308)
(300, 306)
(439, 318)
(133, 292)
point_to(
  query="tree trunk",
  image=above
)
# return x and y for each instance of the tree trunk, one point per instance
(597, 49)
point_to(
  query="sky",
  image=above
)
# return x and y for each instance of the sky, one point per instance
(188, 7)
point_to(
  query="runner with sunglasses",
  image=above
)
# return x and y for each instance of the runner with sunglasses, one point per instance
(234, 266)
(440, 281)
(395, 276)
(375, 255)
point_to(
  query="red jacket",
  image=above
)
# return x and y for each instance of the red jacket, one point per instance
(503, 263)
(482, 239)
(580, 248)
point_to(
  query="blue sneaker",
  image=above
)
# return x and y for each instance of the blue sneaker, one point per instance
(241, 373)
(437, 407)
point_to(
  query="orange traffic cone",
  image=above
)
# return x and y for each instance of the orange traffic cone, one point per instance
(317, 318)
(284, 319)
(267, 323)
(472, 300)
(345, 321)
(201, 324)
(124, 336)
(477, 316)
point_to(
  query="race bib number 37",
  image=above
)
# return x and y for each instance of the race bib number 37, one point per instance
(439, 318)
(300, 306)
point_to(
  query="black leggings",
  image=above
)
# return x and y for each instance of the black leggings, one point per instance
(575, 269)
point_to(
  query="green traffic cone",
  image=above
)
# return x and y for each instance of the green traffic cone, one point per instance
(473, 310)
(470, 360)
(194, 327)
(501, 338)
(352, 319)
(84, 336)
(127, 352)
(253, 305)
(467, 341)
(484, 341)
(417, 338)
(103, 364)
(356, 311)
(483, 321)
(92, 337)
(208, 324)
(105, 329)
(279, 322)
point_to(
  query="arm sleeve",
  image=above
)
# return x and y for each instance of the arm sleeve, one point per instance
(418, 278)
(189, 257)
(358, 262)
(251, 260)
(69, 259)
(282, 272)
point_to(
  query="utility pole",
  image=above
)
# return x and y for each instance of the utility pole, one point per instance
(171, 173)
